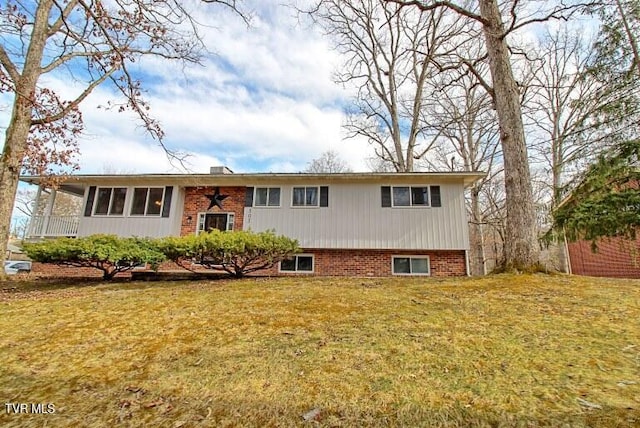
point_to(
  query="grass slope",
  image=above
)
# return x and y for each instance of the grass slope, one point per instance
(529, 350)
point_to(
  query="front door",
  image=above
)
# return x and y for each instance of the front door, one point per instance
(210, 221)
(215, 221)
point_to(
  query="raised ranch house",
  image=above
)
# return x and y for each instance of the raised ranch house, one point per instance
(361, 224)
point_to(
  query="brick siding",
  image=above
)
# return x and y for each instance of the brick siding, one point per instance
(196, 202)
(615, 258)
(377, 262)
(326, 263)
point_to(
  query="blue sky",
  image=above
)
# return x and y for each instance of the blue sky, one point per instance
(262, 101)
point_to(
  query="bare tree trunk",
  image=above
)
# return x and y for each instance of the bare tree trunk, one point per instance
(20, 124)
(10, 165)
(629, 32)
(521, 246)
(556, 172)
(477, 239)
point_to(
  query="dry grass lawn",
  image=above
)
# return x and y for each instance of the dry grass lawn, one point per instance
(528, 350)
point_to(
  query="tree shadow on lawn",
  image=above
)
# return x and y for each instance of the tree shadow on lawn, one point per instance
(30, 283)
(26, 283)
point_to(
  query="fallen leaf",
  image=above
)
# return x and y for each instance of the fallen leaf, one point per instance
(311, 415)
(588, 404)
(153, 403)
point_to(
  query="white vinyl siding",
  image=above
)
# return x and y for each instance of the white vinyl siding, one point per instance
(127, 225)
(355, 219)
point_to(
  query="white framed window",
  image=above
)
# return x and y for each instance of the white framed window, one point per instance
(266, 197)
(147, 201)
(110, 201)
(300, 263)
(410, 265)
(406, 196)
(305, 196)
(210, 221)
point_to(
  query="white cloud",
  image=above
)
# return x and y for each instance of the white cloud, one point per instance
(264, 101)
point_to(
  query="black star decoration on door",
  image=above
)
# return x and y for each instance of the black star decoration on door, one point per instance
(216, 199)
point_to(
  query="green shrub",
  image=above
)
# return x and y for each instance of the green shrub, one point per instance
(237, 253)
(108, 253)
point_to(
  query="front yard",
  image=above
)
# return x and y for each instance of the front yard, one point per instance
(528, 350)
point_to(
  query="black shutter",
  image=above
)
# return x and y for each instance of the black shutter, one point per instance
(90, 197)
(166, 206)
(386, 196)
(436, 201)
(248, 197)
(324, 196)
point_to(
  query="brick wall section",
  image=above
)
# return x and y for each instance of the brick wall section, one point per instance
(196, 202)
(327, 263)
(377, 262)
(614, 258)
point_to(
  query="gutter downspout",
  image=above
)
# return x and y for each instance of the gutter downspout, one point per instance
(466, 262)
(566, 250)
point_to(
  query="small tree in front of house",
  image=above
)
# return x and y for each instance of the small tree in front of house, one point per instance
(237, 253)
(108, 253)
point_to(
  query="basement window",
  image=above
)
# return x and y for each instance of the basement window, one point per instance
(411, 265)
(302, 263)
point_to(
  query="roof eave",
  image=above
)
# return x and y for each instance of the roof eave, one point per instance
(188, 180)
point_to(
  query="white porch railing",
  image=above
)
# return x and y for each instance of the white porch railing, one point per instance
(54, 225)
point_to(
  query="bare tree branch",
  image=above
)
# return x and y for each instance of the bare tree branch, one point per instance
(92, 43)
(420, 4)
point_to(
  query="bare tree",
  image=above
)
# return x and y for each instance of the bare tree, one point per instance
(25, 202)
(521, 242)
(494, 218)
(389, 54)
(328, 162)
(19, 227)
(111, 169)
(376, 164)
(575, 114)
(460, 114)
(65, 204)
(88, 42)
(618, 46)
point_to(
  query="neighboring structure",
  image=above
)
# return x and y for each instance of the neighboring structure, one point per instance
(615, 257)
(14, 253)
(361, 224)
